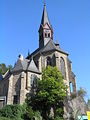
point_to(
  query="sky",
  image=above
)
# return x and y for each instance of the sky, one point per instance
(19, 25)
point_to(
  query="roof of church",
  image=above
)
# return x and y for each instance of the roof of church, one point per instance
(24, 64)
(45, 18)
(50, 46)
(32, 67)
(20, 65)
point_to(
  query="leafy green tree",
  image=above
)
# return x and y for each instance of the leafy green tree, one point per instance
(4, 68)
(13, 112)
(50, 93)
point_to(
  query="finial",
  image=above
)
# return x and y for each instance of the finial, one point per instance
(57, 41)
(44, 2)
(28, 52)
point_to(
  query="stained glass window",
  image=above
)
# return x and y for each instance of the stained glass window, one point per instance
(34, 80)
(49, 61)
(62, 67)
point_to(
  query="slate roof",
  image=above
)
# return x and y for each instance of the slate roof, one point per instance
(23, 65)
(20, 65)
(45, 18)
(50, 46)
(32, 67)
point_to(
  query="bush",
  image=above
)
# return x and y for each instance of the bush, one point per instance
(3, 118)
(31, 114)
(58, 118)
(12, 111)
(38, 115)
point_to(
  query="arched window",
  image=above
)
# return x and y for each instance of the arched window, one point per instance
(34, 80)
(49, 62)
(62, 67)
(45, 34)
(48, 34)
(71, 87)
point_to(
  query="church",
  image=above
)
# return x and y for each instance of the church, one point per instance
(15, 84)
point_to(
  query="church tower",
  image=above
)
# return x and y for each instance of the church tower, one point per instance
(45, 30)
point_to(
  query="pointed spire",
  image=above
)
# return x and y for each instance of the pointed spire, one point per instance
(45, 18)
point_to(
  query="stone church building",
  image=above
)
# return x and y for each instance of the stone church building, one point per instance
(16, 83)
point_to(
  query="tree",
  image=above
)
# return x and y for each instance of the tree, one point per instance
(50, 94)
(81, 92)
(4, 68)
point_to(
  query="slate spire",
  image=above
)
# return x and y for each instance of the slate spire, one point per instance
(45, 18)
(45, 30)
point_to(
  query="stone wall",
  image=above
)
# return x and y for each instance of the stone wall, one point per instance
(74, 107)
(55, 56)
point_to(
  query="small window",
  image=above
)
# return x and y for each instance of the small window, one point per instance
(15, 99)
(48, 34)
(45, 34)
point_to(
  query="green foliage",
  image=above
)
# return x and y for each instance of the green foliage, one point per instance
(51, 88)
(3, 118)
(37, 115)
(13, 112)
(50, 94)
(30, 114)
(82, 92)
(58, 118)
(4, 68)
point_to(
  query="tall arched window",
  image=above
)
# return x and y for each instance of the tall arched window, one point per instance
(49, 61)
(62, 67)
(71, 87)
(34, 80)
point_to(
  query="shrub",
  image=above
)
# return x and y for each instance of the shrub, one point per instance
(37, 115)
(58, 118)
(12, 111)
(31, 114)
(3, 118)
